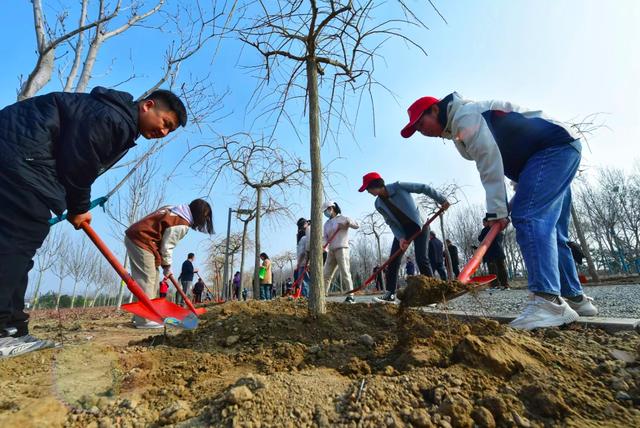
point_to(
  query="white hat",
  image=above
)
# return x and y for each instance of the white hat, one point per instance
(328, 204)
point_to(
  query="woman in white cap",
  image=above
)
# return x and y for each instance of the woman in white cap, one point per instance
(338, 251)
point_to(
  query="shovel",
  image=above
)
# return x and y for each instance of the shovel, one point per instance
(158, 310)
(399, 252)
(478, 282)
(193, 309)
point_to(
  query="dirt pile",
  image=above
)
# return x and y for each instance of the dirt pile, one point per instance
(258, 364)
(423, 290)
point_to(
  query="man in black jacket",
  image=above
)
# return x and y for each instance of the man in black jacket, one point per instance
(436, 255)
(52, 148)
(455, 259)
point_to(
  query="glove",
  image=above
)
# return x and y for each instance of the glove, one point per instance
(166, 270)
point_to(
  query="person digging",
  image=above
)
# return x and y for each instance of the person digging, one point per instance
(396, 205)
(541, 155)
(52, 149)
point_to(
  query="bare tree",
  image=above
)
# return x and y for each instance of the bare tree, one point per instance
(46, 257)
(77, 265)
(316, 44)
(374, 224)
(60, 268)
(184, 28)
(262, 167)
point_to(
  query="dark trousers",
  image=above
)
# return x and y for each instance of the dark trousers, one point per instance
(23, 227)
(456, 269)
(439, 267)
(498, 268)
(197, 297)
(420, 248)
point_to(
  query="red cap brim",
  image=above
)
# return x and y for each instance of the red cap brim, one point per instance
(410, 129)
(363, 187)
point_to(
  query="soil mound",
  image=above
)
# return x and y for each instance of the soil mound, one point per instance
(267, 364)
(423, 290)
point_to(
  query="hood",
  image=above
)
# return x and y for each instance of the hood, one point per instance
(452, 107)
(122, 102)
(183, 211)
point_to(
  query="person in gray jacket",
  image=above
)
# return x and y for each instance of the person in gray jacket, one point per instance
(396, 205)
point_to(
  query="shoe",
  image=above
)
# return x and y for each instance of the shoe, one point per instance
(14, 346)
(149, 324)
(583, 307)
(540, 312)
(349, 299)
(389, 297)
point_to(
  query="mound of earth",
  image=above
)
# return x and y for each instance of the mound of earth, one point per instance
(258, 364)
(423, 290)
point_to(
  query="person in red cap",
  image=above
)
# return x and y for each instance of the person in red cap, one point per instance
(396, 205)
(542, 156)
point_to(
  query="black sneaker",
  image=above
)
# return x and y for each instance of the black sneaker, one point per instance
(349, 299)
(388, 297)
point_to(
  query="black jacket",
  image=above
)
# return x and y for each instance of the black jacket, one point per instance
(495, 251)
(187, 271)
(436, 252)
(58, 144)
(453, 252)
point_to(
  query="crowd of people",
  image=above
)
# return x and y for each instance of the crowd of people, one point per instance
(54, 146)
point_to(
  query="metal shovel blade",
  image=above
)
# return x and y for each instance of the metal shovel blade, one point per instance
(172, 314)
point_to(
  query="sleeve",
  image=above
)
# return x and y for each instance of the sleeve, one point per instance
(83, 150)
(353, 224)
(424, 190)
(398, 233)
(472, 129)
(170, 238)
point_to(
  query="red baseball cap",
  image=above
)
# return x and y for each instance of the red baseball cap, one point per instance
(368, 178)
(415, 110)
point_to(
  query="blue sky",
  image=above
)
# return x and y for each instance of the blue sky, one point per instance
(569, 58)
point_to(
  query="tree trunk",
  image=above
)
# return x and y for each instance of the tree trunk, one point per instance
(89, 62)
(35, 293)
(244, 242)
(317, 299)
(121, 283)
(256, 271)
(583, 243)
(73, 294)
(445, 247)
(59, 294)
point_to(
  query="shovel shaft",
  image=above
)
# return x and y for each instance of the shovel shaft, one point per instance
(476, 259)
(399, 252)
(182, 294)
(113, 261)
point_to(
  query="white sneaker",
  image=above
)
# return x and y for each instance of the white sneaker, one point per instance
(585, 307)
(13, 346)
(149, 324)
(540, 312)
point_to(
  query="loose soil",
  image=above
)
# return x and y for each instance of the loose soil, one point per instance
(259, 364)
(423, 290)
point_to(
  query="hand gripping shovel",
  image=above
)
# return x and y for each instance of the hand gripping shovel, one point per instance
(193, 309)
(296, 285)
(399, 252)
(158, 310)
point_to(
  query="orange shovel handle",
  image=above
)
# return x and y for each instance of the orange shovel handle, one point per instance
(472, 266)
(182, 294)
(132, 285)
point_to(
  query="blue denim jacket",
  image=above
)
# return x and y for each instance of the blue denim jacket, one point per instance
(400, 196)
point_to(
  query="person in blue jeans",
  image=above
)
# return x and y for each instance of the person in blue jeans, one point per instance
(542, 156)
(302, 250)
(396, 205)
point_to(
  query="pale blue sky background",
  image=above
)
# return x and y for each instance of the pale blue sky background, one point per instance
(569, 58)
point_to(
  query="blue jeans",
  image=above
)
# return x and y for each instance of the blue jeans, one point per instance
(540, 213)
(265, 291)
(305, 281)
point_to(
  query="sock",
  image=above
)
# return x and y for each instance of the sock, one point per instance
(550, 297)
(575, 299)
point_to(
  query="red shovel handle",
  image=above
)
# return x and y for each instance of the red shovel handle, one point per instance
(132, 285)
(399, 251)
(182, 294)
(476, 259)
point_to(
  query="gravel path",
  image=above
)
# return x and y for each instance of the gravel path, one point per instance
(618, 301)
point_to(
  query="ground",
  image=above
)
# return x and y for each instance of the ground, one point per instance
(259, 364)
